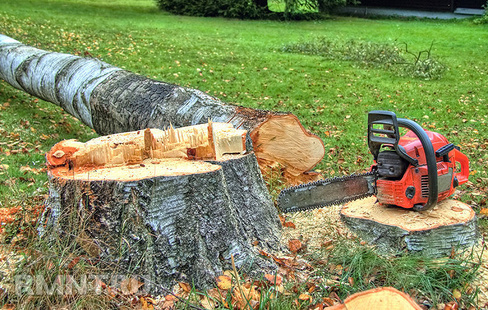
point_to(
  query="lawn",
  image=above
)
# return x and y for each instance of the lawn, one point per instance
(244, 62)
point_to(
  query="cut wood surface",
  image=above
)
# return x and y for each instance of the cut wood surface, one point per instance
(111, 100)
(450, 224)
(183, 202)
(382, 298)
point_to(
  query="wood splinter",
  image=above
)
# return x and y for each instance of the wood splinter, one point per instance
(200, 142)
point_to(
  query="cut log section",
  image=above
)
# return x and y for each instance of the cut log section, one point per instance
(144, 204)
(450, 225)
(111, 100)
(382, 298)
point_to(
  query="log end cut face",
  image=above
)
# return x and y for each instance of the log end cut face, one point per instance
(382, 298)
(284, 140)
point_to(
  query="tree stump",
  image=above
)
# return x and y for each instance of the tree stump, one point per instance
(450, 225)
(171, 205)
(382, 298)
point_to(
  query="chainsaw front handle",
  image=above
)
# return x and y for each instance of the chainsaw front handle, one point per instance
(431, 162)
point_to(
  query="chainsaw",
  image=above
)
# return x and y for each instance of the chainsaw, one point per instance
(414, 171)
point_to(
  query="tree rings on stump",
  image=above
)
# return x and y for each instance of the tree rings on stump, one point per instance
(449, 225)
(381, 298)
(142, 202)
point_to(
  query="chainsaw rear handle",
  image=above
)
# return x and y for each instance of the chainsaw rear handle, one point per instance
(390, 128)
(463, 175)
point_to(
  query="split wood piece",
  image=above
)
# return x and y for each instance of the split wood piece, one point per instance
(450, 225)
(111, 100)
(382, 298)
(168, 219)
(201, 142)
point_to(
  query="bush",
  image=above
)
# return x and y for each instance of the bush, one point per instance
(245, 9)
(253, 9)
(483, 19)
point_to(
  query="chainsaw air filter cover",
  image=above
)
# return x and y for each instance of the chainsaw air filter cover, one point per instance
(390, 165)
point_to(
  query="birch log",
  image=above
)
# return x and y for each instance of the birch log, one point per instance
(111, 100)
(164, 204)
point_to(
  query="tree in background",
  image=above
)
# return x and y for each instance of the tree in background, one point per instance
(252, 9)
(245, 9)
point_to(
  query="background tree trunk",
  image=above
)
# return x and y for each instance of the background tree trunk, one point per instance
(111, 100)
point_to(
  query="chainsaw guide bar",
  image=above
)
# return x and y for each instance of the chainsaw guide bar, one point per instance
(327, 192)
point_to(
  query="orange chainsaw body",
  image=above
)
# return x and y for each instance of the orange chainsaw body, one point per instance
(413, 188)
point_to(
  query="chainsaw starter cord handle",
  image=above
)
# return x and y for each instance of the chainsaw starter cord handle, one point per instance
(431, 162)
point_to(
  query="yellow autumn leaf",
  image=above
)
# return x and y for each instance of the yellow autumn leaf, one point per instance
(224, 282)
(456, 294)
(207, 303)
(304, 297)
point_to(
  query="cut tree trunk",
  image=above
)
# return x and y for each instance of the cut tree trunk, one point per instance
(111, 100)
(382, 298)
(450, 225)
(171, 205)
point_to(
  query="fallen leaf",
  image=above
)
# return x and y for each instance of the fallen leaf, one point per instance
(289, 225)
(73, 262)
(456, 294)
(328, 301)
(219, 296)
(224, 282)
(185, 286)
(245, 296)
(484, 211)
(145, 303)
(207, 303)
(130, 286)
(304, 297)
(451, 306)
(294, 245)
(273, 279)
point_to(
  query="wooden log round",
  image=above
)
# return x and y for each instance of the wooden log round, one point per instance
(167, 219)
(450, 225)
(381, 298)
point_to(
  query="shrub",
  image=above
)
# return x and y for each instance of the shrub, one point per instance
(484, 18)
(245, 9)
(253, 9)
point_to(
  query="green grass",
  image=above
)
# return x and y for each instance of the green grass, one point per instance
(431, 280)
(243, 62)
